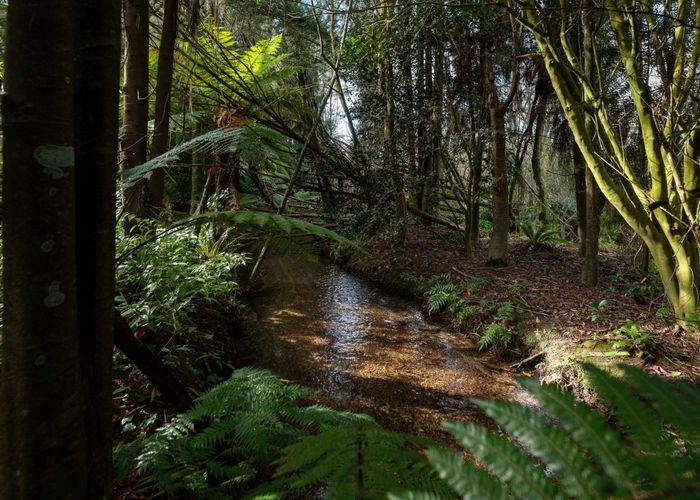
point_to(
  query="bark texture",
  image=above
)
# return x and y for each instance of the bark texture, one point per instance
(97, 60)
(40, 457)
(135, 127)
(164, 85)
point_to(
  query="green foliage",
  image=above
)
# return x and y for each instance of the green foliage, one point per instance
(443, 297)
(362, 461)
(630, 337)
(597, 309)
(251, 141)
(160, 283)
(224, 446)
(486, 225)
(473, 284)
(496, 337)
(649, 451)
(539, 235)
(505, 311)
(515, 287)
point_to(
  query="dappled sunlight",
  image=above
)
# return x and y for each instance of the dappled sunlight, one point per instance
(367, 351)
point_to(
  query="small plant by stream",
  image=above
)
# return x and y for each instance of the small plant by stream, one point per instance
(494, 322)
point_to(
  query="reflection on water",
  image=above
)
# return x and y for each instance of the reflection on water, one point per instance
(365, 350)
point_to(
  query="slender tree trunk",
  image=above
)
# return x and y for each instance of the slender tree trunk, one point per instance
(135, 127)
(164, 84)
(498, 243)
(97, 60)
(434, 175)
(409, 111)
(474, 207)
(580, 192)
(42, 423)
(589, 272)
(540, 113)
(391, 163)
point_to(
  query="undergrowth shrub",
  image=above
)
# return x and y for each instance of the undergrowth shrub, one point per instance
(160, 284)
(564, 449)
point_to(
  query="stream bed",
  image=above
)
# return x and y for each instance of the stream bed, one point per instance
(365, 350)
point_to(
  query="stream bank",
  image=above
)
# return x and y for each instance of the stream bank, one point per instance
(560, 323)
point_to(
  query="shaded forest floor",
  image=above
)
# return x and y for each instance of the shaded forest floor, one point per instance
(560, 322)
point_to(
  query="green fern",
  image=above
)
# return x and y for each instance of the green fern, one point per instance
(361, 461)
(651, 450)
(231, 433)
(443, 297)
(539, 235)
(227, 444)
(496, 337)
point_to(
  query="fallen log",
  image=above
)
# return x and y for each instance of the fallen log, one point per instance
(159, 375)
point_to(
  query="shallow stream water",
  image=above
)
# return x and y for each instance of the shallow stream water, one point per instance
(365, 350)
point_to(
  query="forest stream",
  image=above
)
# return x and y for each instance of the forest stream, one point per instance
(366, 350)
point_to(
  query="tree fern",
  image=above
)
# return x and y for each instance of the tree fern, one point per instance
(585, 456)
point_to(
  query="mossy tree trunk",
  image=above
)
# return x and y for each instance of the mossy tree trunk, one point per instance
(664, 213)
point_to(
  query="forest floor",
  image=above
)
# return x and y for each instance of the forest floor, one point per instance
(560, 321)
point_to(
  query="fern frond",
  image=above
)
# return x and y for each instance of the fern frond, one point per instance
(496, 336)
(464, 478)
(215, 141)
(640, 424)
(672, 407)
(590, 431)
(414, 495)
(323, 418)
(578, 476)
(356, 462)
(505, 460)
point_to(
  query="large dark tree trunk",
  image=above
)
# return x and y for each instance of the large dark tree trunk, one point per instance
(135, 127)
(60, 121)
(97, 60)
(164, 84)
(41, 412)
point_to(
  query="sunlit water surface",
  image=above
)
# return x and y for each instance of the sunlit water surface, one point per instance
(365, 350)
